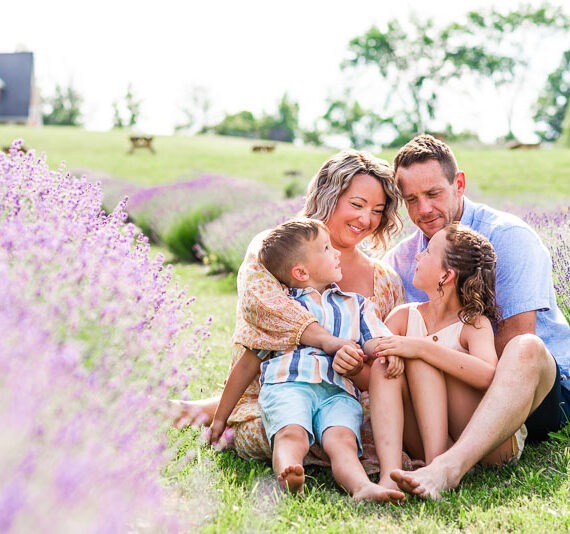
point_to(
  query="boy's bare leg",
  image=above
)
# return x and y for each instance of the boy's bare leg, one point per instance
(194, 413)
(290, 446)
(524, 376)
(340, 444)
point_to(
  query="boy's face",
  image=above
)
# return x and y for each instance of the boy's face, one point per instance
(322, 262)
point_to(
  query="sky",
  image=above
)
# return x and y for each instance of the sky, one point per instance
(244, 54)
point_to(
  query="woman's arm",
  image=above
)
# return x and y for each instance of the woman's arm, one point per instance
(266, 317)
(241, 375)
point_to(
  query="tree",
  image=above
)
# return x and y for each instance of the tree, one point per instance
(126, 113)
(415, 60)
(409, 59)
(349, 117)
(565, 136)
(64, 107)
(553, 102)
(501, 47)
(284, 124)
(242, 124)
(195, 110)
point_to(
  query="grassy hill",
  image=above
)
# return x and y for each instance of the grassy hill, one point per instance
(490, 171)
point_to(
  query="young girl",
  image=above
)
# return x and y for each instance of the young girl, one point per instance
(448, 347)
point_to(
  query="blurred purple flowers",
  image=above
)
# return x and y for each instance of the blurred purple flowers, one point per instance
(172, 213)
(91, 331)
(554, 229)
(225, 240)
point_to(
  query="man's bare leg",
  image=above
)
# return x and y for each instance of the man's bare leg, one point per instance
(524, 376)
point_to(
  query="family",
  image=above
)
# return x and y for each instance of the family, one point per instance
(450, 350)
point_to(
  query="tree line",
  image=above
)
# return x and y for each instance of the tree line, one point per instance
(412, 62)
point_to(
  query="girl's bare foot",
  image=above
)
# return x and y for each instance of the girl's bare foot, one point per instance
(377, 493)
(292, 479)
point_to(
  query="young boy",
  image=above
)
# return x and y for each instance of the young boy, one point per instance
(302, 398)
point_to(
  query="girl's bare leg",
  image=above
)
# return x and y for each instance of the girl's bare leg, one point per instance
(393, 422)
(290, 446)
(429, 397)
(340, 444)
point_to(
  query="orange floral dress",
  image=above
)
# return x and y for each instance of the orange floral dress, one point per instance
(266, 318)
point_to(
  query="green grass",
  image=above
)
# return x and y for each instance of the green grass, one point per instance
(241, 496)
(491, 171)
(222, 493)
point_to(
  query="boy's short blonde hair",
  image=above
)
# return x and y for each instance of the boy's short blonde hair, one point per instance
(284, 246)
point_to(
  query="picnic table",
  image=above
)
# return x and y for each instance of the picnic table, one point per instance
(141, 141)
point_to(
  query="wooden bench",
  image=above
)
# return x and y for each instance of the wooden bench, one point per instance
(141, 141)
(515, 145)
(263, 148)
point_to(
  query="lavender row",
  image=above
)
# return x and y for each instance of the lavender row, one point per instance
(92, 329)
(171, 214)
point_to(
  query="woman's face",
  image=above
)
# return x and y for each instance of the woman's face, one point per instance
(358, 212)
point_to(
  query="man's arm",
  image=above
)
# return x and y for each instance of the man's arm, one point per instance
(522, 323)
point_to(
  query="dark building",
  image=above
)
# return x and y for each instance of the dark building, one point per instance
(19, 102)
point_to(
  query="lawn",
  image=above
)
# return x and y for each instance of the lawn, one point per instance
(517, 174)
(222, 493)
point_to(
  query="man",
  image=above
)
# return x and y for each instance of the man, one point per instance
(530, 384)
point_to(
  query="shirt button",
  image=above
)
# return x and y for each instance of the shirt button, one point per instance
(435, 338)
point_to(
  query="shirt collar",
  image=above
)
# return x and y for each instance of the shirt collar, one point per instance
(468, 212)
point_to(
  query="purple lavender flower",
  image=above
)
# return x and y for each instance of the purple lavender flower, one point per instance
(90, 329)
(225, 240)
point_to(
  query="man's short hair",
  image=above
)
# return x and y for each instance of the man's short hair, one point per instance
(423, 148)
(284, 246)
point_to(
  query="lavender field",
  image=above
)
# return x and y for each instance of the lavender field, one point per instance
(95, 334)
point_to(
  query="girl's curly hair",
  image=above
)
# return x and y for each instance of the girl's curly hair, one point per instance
(473, 258)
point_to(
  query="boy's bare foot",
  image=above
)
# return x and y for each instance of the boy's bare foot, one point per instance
(377, 493)
(292, 478)
(427, 482)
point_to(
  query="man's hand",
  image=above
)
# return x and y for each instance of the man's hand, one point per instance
(349, 360)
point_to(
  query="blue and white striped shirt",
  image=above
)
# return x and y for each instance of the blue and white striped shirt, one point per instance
(344, 315)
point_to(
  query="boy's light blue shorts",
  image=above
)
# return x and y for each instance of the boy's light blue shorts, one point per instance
(315, 407)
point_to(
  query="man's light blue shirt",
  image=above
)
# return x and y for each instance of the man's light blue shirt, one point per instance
(524, 273)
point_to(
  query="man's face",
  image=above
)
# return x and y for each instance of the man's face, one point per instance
(432, 202)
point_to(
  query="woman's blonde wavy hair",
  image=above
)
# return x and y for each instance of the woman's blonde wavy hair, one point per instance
(334, 178)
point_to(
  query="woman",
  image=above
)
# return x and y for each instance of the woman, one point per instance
(355, 195)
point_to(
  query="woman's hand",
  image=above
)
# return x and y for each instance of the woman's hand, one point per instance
(215, 431)
(349, 360)
(402, 346)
